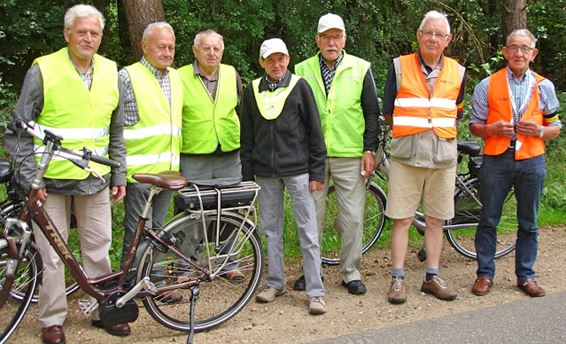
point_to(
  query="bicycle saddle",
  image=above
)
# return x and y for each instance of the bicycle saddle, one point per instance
(169, 180)
(472, 148)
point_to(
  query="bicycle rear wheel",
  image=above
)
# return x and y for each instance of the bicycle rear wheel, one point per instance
(13, 310)
(374, 221)
(220, 299)
(467, 213)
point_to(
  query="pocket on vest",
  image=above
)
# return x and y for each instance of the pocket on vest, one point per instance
(445, 151)
(401, 147)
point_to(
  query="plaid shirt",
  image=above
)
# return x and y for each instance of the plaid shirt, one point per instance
(328, 73)
(128, 105)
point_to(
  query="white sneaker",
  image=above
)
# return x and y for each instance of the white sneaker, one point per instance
(317, 305)
(269, 294)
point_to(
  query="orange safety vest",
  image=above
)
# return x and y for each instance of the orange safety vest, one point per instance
(416, 109)
(500, 108)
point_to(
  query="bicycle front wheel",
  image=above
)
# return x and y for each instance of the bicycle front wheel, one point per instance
(374, 221)
(467, 212)
(13, 309)
(236, 247)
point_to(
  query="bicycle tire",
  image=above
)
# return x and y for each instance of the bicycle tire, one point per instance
(467, 212)
(374, 222)
(220, 299)
(13, 310)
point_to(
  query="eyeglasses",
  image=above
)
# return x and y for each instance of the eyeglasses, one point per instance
(429, 34)
(524, 49)
(329, 38)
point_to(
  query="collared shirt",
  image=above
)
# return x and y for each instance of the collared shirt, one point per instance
(519, 95)
(210, 84)
(128, 100)
(328, 73)
(272, 85)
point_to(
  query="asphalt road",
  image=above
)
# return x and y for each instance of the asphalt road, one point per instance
(533, 320)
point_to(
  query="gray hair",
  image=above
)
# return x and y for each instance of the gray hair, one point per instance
(435, 15)
(208, 32)
(154, 26)
(524, 33)
(82, 11)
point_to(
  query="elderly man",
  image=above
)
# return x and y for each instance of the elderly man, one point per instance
(152, 100)
(211, 126)
(282, 147)
(346, 98)
(423, 99)
(514, 111)
(73, 93)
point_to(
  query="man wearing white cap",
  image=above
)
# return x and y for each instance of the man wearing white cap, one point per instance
(346, 97)
(282, 147)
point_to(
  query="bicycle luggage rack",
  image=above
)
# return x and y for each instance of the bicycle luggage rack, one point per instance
(231, 197)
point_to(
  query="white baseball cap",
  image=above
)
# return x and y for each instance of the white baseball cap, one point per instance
(271, 46)
(330, 21)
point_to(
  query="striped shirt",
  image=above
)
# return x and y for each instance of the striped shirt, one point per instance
(328, 73)
(128, 100)
(520, 96)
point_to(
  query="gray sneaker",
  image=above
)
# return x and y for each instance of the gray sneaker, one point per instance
(397, 293)
(268, 294)
(317, 305)
(438, 287)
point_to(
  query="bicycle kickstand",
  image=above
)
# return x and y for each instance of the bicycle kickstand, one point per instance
(195, 292)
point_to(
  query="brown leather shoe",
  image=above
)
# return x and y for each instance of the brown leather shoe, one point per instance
(482, 285)
(53, 335)
(438, 287)
(120, 330)
(531, 287)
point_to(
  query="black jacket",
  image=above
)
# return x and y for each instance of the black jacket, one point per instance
(289, 145)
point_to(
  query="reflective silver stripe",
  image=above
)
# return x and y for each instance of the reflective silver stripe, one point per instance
(441, 103)
(148, 159)
(412, 121)
(443, 122)
(74, 133)
(100, 151)
(164, 129)
(420, 122)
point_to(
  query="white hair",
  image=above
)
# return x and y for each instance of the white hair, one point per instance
(82, 11)
(435, 15)
(209, 32)
(524, 33)
(154, 26)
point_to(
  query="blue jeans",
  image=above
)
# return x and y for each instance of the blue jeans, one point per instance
(498, 174)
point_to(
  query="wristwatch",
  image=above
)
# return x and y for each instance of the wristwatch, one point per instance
(541, 133)
(370, 152)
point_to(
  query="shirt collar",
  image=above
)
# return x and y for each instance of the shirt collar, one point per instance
(428, 69)
(283, 82)
(336, 63)
(196, 68)
(152, 69)
(511, 76)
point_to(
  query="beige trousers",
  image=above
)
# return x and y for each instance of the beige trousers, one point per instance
(95, 233)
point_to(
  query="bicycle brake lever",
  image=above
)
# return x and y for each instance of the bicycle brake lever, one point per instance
(94, 173)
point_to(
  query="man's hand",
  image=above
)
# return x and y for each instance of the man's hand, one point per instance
(500, 128)
(367, 165)
(40, 194)
(528, 128)
(315, 185)
(118, 193)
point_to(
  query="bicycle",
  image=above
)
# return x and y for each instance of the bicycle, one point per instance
(178, 257)
(459, 231)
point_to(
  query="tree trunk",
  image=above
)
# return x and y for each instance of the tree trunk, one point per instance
(140, 13)
(514, 16)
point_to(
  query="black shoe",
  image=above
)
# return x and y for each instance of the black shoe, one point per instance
(301, 285)
(355, 287)
(120, 330)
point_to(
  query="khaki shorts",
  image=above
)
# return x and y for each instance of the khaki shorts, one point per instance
(408, 184)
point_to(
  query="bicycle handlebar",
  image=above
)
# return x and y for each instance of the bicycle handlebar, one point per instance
(68, 154)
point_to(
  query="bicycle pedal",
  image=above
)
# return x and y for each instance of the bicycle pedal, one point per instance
(88, 305)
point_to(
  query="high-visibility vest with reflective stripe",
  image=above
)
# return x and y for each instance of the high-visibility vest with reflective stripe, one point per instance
(416, 109)
(500, 108)
(153, 144)
(270, 104)
(81, 116)
(207, 121)
(341, 113)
